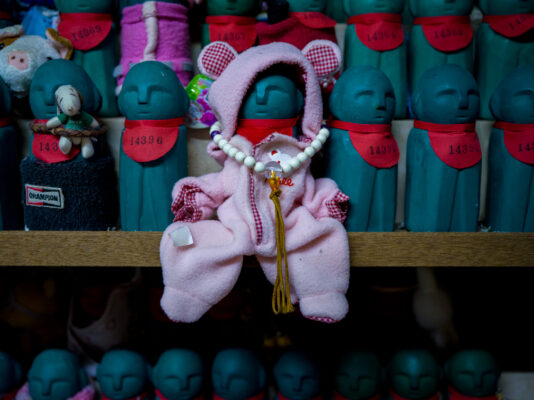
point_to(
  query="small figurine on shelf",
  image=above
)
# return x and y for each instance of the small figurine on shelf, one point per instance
(504, 41)
(90, 28)
(238, 365)
(123, 375)
(375, 37)
(441, 34)
(297, 377)
(472, 375)
(155, 31)
(56, 375)
(362, 154)
(304, 23)
(510, 205)
(358, 377)
(443, 163)
(414, 375)
(232, 22)
(179, 374)
(77, 126)
(153, 146)
(10, 376)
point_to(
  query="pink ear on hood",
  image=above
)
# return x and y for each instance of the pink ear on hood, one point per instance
(215, 58)
(62, 45)
(13, 31)
(325, 57)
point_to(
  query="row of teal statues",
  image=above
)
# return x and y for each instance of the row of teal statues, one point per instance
(443, 152)
(238, 374)
(441, 34)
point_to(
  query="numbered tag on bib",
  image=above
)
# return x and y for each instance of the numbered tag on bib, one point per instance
(46, 148)
(447, 33)
(314, 20)
(239, 32)
(510, 25)
(519, 140)
(378, 31)
(85, 30)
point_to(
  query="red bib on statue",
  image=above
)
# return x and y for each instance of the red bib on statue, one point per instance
(84, 30)
(456, 145)
(255, 130)
(378, 31)
(259, 396)
(4, 122)
(447, 33)
(519, 140)
(314, 20)
(238, 32)
(374, 143)
(510, 25)
(45, 147)
(396, 396)
(149, 140)
(454, 395)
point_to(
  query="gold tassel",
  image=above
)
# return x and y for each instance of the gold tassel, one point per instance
(281, 300)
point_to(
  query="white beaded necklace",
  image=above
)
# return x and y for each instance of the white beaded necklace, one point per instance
(259, 167)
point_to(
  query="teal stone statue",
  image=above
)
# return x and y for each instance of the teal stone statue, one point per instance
(10, 209)
(414, 375)
(297, 377)
(336, 11)
(237, 374)
(375, 37)
(123, 375)
(505, 41)
(179, 374)
(57, 375)
(153, 153)
(510, 197)
(361, 154)
(231, 21)
(441, 34)
(10, 376)
(66, 191)
(472, 375)
(89, 26)
(358, 376)
(443, 153)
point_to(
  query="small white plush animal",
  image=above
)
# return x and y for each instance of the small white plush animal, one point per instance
(69, 104)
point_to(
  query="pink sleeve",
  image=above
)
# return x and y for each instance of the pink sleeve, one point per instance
(197, 198)
(323, 199)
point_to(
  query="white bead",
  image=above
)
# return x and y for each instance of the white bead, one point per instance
(294, 162)
(310, 151)
(321, 137)
(286, 168)
(232, 152)
(316, 145)
(227, 147)
(249, 161)
(215, 127)
(302, 157)
(222, 142)
(240, 156)
(259, 167)
(217, 139)
(325, 131)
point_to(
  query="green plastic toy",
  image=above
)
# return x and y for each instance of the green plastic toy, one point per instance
(375, 37)
(358, 376)
(153, 146)
(297, 377)
(414, 375)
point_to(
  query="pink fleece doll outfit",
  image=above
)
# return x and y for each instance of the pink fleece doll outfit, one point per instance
(200, 274)
(156, 31)
(87, 393)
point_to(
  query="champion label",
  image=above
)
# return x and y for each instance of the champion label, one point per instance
(44, 196)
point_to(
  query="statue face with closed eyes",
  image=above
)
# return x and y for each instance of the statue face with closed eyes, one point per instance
(179, 374)
(415, 374)
(358, 376)
(513, 101)
(297, 376)
(473, 373)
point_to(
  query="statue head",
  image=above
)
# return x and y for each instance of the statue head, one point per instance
(122, 374)
(237, 374)
(513, 101)
(53, 74)
(84, 6)
(437, 8)
(358, 376)
(6, 101)
(179, 374)
(363, 95)
(414, 374)
(151, 90)
(505, 7)
(273, 95)
(357, 7)
(307, 5)
(446, 94)
(245, 8)
(297, 376)
(56, 375)
(10, 373)
(473, 373)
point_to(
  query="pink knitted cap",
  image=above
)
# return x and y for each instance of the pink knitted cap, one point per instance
(228, 91)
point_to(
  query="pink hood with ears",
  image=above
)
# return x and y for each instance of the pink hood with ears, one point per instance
(228, 91)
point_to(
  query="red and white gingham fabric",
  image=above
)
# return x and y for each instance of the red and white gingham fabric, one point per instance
(214, 59)
(184, 206)
(338, 206)
(255, 213)
(325, 57)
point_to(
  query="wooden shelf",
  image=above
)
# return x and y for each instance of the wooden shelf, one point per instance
(398, 249)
